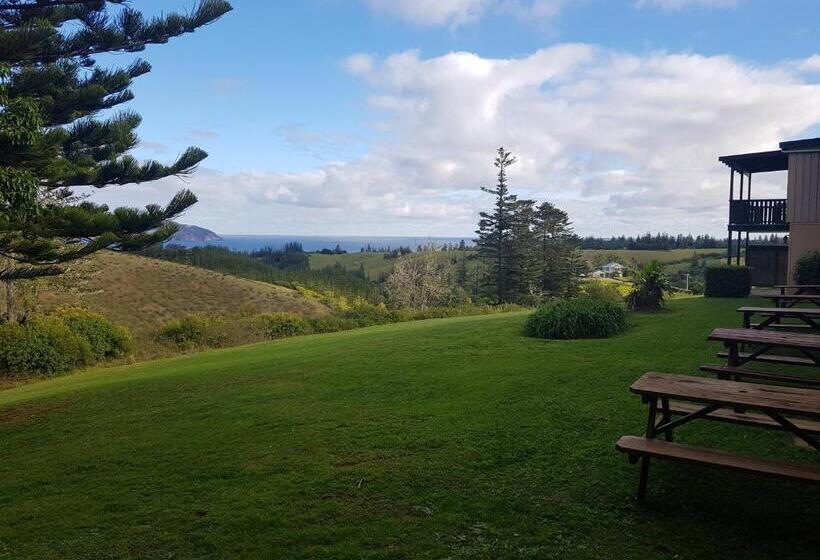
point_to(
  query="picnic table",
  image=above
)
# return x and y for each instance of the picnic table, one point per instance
(799, 288)
(806, 344)
(773, 316)
(692, 398)
(781, 300)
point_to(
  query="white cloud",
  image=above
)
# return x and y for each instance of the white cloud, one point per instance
(681, 4)
(457, 12)
(810, 65)
(625, 143)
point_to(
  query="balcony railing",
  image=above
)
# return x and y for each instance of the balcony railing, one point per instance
(761, 214)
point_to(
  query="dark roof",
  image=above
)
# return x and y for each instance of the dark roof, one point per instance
(808, 144)
(760, 162)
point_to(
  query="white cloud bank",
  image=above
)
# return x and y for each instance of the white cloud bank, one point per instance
(625, 143)
(457, 12)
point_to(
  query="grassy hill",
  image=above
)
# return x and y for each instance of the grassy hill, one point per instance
(454, 438)
(142, 293)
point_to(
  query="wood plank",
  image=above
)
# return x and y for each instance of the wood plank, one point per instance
(748, 419)
(782, 311)
(769, 338)
(783, 326)
(733, 394)
(690, 454)
(762, 375)
(797, 286)
(773, 359)
(791, 297)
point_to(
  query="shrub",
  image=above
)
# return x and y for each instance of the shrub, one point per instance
(106, 339)
(649, 287)
(727, 281)
(807, 269)
(607, 291)
(42, 346)
(195, 330)
(582, 317)
(331, 323)
(280, 325)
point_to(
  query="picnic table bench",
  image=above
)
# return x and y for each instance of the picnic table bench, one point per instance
(806, 344)
(690, 398)
(772, 317)
(781, 300)
(799, 288)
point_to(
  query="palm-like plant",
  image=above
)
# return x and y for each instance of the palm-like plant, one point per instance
(649, 288)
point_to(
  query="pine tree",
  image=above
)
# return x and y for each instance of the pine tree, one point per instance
(52, 139)
(523, 252)
(555, 240)
(495, 232)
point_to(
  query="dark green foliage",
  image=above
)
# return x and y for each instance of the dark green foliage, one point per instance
(52, 139)
(527, 249)
(42, 346)
(195, 331)
(290, 257)
(52, 344)
(331, 323)
(281, 325)
(582, 317)
(106, 339)
(727, 281)
(648, 288)
(660, 242)
(807, 269)
(495, 233)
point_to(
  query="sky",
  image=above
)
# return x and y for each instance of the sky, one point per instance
(382, 117)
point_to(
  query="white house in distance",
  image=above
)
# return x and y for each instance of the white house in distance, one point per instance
(609, 270)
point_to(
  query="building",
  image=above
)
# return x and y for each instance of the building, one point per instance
(797, 214)
(610, 270)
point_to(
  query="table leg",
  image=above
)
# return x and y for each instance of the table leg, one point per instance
(667, 417)
(733, 359)
(650, 433)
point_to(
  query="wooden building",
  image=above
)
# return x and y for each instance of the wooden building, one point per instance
(798, 214)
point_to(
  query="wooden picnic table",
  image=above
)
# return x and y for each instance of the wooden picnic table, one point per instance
(806, 344)
(780, 300)
(774, 315)
(691, 398)
(799, 288)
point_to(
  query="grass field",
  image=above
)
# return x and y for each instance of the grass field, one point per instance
(454, 438)
(142, 293)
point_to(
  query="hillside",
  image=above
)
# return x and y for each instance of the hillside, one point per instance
(142, 293)
(454, 438)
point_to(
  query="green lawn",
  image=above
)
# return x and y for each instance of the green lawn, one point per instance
(454, 438)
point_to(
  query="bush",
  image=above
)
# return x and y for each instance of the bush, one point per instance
(280, 325)
(42, 346)
(727, 281)
(649, 287)
(582, 317)
(331, 323)
(807, 269)
(106, 339)
(195, 330)
(607, 291)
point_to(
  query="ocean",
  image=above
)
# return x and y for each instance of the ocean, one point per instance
(351, 244)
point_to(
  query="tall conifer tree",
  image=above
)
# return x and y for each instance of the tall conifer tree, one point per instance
(52, 139)
(495, 231)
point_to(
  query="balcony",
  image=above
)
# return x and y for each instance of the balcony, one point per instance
(761, 215)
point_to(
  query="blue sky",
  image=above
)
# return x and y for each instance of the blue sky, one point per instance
(380, 117)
